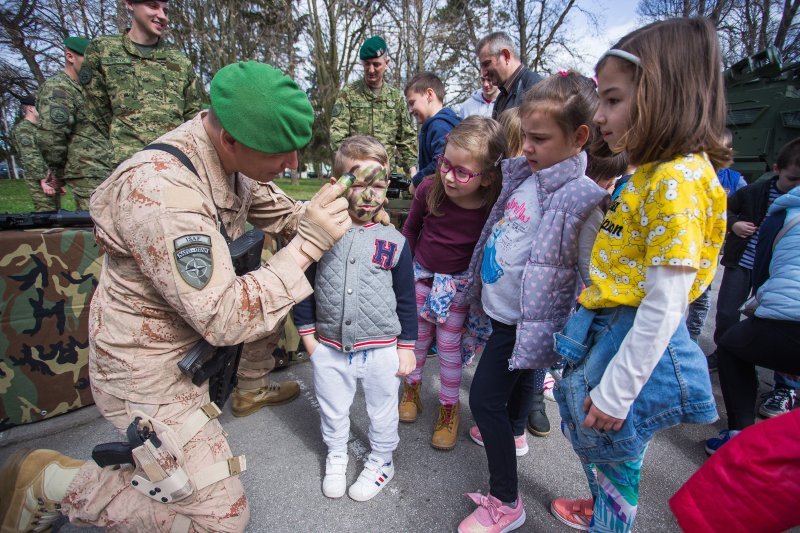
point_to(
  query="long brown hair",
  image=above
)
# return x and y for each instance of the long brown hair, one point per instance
(484, 139)
(680, 92)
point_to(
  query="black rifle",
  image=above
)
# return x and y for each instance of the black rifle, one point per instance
(48, 219)
(218, 365)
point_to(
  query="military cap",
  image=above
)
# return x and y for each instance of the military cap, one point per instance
(28, 99)
(372, 48)
(261, 107)
(76, 44)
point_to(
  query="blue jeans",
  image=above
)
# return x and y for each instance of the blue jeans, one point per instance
(698, 311)
(678, 390)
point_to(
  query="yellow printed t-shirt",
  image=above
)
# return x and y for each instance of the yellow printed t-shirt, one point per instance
(667, 214)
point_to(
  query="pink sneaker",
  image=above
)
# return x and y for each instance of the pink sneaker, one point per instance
(492, 516)
(521, 442)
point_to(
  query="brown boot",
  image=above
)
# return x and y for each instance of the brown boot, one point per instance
(446, 430)
(32, 485)
(247, 402)
(410, 402)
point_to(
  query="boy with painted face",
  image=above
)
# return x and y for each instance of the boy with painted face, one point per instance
(361, 323)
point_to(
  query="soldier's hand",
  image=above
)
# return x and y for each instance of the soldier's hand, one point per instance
(48, 190)
(325, 221)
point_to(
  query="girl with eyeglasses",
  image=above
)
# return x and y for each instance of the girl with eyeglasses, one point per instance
(533, 257)
(443, 225)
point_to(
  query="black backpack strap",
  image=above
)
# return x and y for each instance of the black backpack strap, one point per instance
(178, 154)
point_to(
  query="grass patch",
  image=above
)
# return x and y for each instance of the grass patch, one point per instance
(15, 196)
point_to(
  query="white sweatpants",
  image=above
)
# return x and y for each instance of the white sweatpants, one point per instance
(335, 377)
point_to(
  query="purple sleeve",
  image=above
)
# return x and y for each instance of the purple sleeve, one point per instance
(413, 224)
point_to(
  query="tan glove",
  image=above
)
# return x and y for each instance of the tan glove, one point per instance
(325, 221)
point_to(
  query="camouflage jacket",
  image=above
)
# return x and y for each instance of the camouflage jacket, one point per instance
(168, 281)
(358, 111)
(136, 98)
(70, 145)
(24, 140)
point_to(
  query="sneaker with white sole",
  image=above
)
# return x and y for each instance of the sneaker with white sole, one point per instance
(373, 478)
(777, 402)
(549, 381)
(334, 484)
(520, 443)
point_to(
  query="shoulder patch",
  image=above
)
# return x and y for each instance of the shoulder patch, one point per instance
(25, 141)
(193, 259)
(85, 75)
(337, 110)
(59, 93)
(59, 114)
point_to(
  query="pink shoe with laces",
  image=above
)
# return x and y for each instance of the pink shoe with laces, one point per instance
(492, 516)
(520, 443)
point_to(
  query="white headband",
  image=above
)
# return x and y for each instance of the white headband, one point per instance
(622, 54)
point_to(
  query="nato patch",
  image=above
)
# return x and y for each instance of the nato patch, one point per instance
(85, 75)
(25, 142)
(193, 259)
(337, 110)
(59, 114)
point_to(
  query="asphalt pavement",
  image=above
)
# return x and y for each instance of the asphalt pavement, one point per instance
(286, 460)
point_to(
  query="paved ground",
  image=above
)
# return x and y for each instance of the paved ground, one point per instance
(285, 457)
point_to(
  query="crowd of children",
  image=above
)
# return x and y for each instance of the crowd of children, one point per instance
(514, 256)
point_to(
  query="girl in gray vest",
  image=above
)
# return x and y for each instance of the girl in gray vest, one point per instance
(530, 269)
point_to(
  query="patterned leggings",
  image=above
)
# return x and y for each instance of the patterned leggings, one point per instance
(618, 496)
(448, 345)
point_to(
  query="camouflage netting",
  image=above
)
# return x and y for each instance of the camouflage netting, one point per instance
(47, 278)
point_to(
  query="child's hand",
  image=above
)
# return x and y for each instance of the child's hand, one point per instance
(744, 229)
(309, 344)
(597, 419)
(408, 362)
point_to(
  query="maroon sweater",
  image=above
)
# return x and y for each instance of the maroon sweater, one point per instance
(442, 244)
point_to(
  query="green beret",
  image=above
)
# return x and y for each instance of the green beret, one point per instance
(261, 107)
(76, 44)
(372, 48)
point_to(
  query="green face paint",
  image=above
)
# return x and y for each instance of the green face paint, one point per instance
(367, 192)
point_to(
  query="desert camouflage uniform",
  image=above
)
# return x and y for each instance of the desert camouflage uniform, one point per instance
(135, 98)
(71, 146)
(166, 281)
(358, 111)
(24, 140)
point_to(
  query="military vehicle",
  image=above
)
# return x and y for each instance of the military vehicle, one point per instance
(399, 199)
(763, 110)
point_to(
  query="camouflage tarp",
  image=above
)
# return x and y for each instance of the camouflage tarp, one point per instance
(47, 278)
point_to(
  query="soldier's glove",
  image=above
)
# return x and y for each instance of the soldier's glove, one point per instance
(325, 221)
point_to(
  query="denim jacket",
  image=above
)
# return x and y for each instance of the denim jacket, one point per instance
(678, 391)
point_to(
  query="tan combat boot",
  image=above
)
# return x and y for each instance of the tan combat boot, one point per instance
(32, 485)
(410, 402)
(247, 402)
(445, 432)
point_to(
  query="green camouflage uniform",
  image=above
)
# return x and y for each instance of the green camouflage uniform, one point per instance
(72, 147)
(137, 98)
(359, 111)
(47, 278)
(24, 140)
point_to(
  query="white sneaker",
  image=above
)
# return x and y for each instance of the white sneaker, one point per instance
(549, 381)
(334, 483)
(372, 479)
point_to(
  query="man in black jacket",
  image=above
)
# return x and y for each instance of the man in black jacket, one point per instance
(498, 57)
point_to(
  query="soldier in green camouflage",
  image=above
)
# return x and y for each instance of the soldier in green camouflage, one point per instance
(372, 107)
(137, 86)
(44, 197)
(75, 151)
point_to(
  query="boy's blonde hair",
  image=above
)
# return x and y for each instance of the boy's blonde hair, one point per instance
(359, 148)
(484, 139)
(512, 126)
(679, 105)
